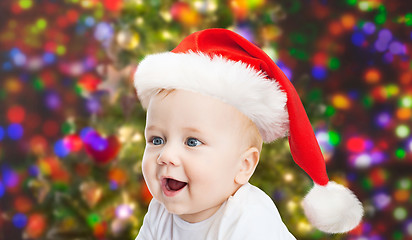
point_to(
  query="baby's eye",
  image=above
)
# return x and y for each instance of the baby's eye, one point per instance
(157, 140)
(193, 142)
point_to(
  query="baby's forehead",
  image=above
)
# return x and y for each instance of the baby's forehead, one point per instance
(198, 105)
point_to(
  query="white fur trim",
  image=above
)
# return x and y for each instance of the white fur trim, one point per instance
(232, 82)
(332, 208)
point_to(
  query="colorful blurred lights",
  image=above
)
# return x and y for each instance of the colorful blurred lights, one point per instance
(319, 72)
(356, 144)
(1, 133)
(61, 149)
(381, 200)
(400, 213)
(402, 131)
(369, 28)
(2, 189)
(396, 48)
(103, 31)
(15, 131)
(341, 101)
(358, 39)
(19, 220)
(363, 161)
(124, 211)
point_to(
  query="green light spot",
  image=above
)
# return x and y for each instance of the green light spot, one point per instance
(60, 50)
(315, 94)
(367, 101)
(25, 4)
(38, 84)
(78, 90)
(366, 184)
(334, 63)
(299, 54)
(408, 19)
(351, 2)
(67, 128)
(93, 219)
(400, 213)
(402, 131)
(41, 23)
(330, 111)
(380, 19)
(400, 153)
(334, 138)
(404, 184)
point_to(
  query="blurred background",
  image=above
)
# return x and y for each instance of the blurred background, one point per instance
(71, 128)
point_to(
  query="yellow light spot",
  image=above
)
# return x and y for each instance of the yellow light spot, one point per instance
(288, 177)
(340, 101)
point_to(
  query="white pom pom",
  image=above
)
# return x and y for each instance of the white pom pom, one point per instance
(332, 208)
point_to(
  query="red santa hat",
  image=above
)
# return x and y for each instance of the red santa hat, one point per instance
(224, 65)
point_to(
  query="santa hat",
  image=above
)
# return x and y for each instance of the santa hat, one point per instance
(224, 65)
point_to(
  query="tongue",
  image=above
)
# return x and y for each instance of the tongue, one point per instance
(175, 185)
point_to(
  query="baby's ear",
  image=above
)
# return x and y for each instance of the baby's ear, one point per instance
(248, 162)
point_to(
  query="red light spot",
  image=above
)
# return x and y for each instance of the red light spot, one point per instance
(320, 59)
(356, 144)
(16, 114)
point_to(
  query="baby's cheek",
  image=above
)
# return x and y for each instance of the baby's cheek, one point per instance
(148, 169)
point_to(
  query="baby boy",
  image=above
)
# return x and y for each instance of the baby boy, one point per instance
(211, 103)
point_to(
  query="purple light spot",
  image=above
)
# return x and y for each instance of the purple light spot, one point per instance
(388, 57)
(377, 157)
(381, 200)
(381, 46)
(96, 141)
(369, 28)
(53, 100)
(396, 48)
(103, 31)
(10, 178)
(34, 170)
(84, 132)
(93, 105)
(385, 35)
(383, 119)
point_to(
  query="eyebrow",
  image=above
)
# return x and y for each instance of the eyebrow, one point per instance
(151, 128)
(190, 129)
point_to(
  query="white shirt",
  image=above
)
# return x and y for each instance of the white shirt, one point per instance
(248, 214)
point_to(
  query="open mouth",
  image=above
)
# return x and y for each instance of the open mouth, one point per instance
(172, 186)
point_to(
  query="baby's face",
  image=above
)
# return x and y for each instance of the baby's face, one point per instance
(193, 151)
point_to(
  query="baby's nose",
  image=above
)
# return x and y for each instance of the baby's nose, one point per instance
(169, 156)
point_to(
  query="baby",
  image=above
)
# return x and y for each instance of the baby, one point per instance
(211, 103)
